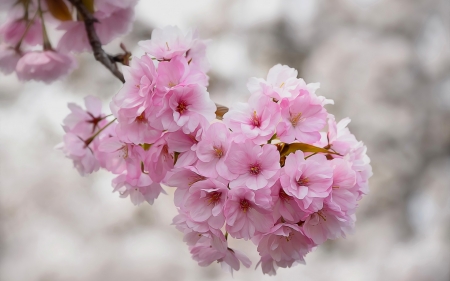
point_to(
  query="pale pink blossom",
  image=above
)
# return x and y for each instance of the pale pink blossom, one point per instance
(8, 59)
(168, 42)
(361, 165)
(187, 108)
(255, 120)
(301, 120)
(308, 179)
(13, 30)
(82, 156)
(205, 201)
(185, 145)
(114, 19)
(285, 206)
(282, 82)
(233, 259)
(252, 165)
(177, 72)
(159, 160)
(328, 223)
(212, 151)
(182, 178)
(45, 66)
(139, 190)
(283, 246)
(343, 196)
(85, 122)
(248, 212)
(338, 138)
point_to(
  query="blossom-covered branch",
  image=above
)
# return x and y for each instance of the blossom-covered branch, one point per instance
(100, 55)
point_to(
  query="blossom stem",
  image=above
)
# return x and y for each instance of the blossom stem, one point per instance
(27, 28)
(96, 45)
(46, 45)
(91, 138)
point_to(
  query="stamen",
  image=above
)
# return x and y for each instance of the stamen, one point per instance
(283, 196)
(182, 106)
(214, 197)
(295, 119)
(335, 187)
(255, 169)
(245, 205)
(141, 118)
(322, 215)
(218, 151)
(282, 84)
(303, 181)
(255, 121)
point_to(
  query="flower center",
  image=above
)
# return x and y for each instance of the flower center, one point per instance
(303, 181)
(255, 120)
(214, 197)
(245, 205)
(255, 169)
(283, 196)
(295, 119)
(218, 151)
(182, 106)
(322, 216)
(141, 118)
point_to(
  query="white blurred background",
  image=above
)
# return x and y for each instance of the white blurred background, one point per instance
(386, 63)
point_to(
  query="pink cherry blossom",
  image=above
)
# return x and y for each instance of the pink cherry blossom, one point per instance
(343, 196)
(328, 223)
(14, 29)
(361, 165)
(168, 42)
(177, 72)
(302, 120)
(83, 157)
(307, 179)
(159, 160)
(285, 206)
(255, 120)
(248, 212)
(338, 137)
(253, 166)
(233, 259)
(212, 151)
(85, 122)
(187, 108)
(283, 245)
(139, 190)
(281, 83)
(8, 59)
(46, 66)
(204, 202)
(185, 145)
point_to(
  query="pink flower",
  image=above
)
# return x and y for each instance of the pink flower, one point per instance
(118, 156)
(338, 137)
(85, 122)
(255, 120)
(13, 30)
(307, 179)
(361, 165)
(248, 212)
(46, 66)
(204, 202)
(8, 59)
(281, 83)
(187, 108)
(284, 245)
(285, 206)
(168, 42)
(302, 120)
(114, 19)
(177, 72)
(182, 179)
(139, 190)
(328, 223)
(343, 196)
(159, 160)
(83, 157)
(233, 259)
(185, 145)
(254, 166)
(212, 150)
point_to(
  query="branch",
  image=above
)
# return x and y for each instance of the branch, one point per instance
(100, 55)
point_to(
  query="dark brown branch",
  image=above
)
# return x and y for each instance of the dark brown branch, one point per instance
(100, 55)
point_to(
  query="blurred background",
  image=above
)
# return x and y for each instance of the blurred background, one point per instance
(386, 63)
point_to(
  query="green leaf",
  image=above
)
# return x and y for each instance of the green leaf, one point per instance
(293, 147)
(59, 10)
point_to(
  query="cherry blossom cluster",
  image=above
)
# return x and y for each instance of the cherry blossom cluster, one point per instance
(26, 47)
(277, 170)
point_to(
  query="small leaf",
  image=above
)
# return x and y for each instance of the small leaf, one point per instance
(221, 110)
(59, 10)
(89, 4)
(293, 147)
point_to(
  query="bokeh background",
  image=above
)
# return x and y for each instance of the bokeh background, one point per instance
(386, 63)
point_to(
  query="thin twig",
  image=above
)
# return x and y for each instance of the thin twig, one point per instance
(99, 54)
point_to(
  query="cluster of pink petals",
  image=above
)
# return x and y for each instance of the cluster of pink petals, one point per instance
(26, 47)
(278, 170)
